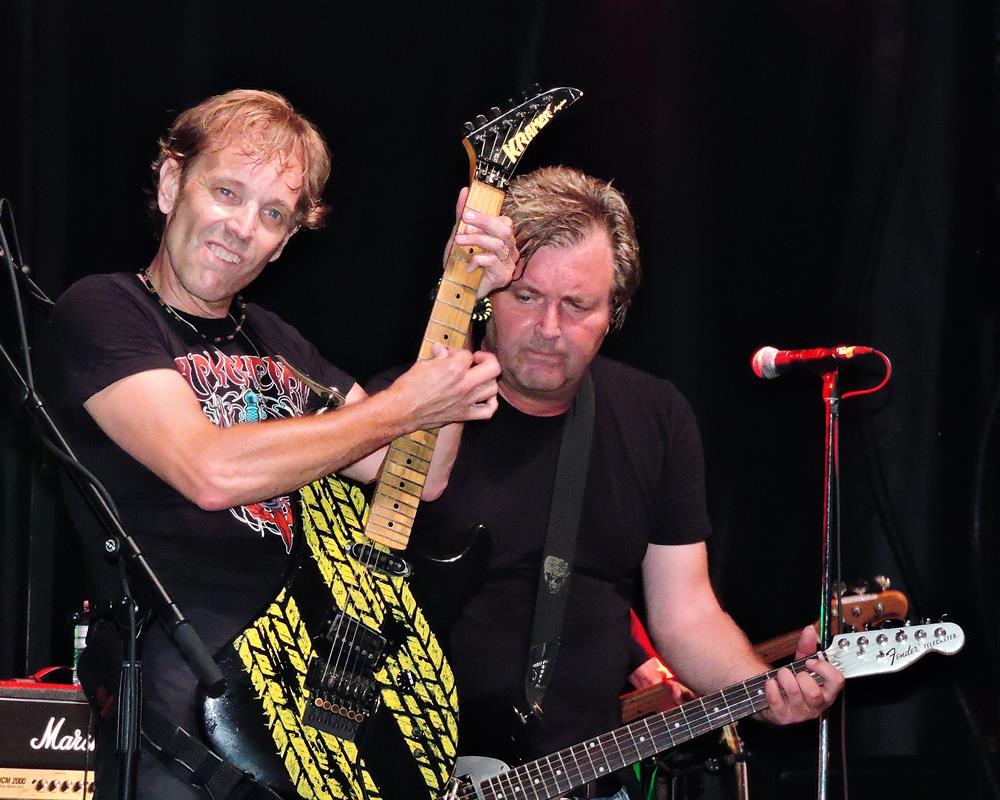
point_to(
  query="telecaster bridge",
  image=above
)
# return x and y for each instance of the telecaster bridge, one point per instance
(343, 693)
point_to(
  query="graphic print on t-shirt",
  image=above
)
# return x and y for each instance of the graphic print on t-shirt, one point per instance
(237, 389)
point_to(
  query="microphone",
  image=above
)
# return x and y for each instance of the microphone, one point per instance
(768, 362)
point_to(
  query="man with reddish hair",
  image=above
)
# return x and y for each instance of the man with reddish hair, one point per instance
(170, 388)
(267, 127)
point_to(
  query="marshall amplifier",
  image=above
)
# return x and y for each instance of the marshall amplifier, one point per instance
(46, 750)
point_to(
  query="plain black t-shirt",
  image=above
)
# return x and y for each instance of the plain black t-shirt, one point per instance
(645, 485)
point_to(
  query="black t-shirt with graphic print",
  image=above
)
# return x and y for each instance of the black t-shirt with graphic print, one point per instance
(220, 567)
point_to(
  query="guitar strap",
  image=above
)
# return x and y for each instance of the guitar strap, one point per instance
(192, 761)
(185, 756)
(560, 544)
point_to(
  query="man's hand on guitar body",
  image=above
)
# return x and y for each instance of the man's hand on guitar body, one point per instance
(795, 698)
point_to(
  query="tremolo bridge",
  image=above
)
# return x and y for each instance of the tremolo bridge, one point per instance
(343, 692)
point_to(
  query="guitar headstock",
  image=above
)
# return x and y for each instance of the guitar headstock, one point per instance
(893, 649)
(865, 609)
(496, 141)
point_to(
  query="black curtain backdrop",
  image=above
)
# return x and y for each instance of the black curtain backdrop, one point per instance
(802, 174)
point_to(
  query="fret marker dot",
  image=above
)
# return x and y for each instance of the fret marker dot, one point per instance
(558, 772)
(760, 691)
(642, 738)
(601, 769)
(395, 505)
(592, 744)
(677, 724)
(716, 709)
(536, 781)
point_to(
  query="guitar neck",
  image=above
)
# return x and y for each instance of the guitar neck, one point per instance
(778, 647)
(404, 471)
(654, 698)
(584, 762)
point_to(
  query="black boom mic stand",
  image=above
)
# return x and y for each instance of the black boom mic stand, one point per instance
(132, 562)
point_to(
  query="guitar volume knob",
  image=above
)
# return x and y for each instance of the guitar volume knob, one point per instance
(406, 680)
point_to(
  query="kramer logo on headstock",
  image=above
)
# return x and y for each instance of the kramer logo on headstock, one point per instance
(497, 141)
(516, 146)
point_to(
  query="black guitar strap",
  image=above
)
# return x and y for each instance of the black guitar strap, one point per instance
(191, 760)
(560, 544)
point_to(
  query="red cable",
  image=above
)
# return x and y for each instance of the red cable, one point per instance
(873, 389)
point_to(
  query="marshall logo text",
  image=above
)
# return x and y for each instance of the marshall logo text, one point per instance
(53, 738)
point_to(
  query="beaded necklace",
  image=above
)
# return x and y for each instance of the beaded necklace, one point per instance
(171, 312)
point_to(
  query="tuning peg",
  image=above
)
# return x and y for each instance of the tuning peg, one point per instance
(480, 120)
(494, 112)
(841, 589)
(468, 127)
(859, 587)
(882, 582)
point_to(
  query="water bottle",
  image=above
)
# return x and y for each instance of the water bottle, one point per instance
(81, 623)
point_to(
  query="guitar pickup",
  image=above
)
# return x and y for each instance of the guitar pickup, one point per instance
(353, 645)
(379, 561)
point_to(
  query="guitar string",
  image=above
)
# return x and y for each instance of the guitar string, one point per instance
(341, 646)
(666, 722)
(369, 560)
(349, 645)
(372, 554)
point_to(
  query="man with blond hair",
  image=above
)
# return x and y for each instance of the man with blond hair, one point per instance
(643, 509)
(171, 389)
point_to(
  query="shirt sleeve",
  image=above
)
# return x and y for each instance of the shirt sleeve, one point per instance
(681, 506)
(98, 334)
